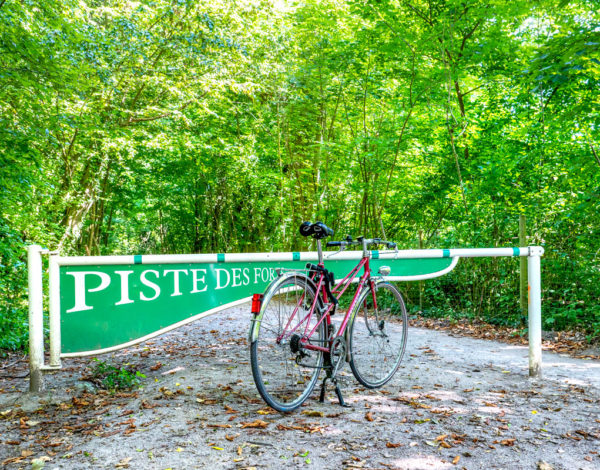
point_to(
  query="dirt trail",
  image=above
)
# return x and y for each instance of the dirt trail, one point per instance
(454, 403)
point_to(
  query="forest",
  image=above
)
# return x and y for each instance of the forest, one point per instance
(182, 126)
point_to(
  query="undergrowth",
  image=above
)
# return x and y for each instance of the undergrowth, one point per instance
(114, 378)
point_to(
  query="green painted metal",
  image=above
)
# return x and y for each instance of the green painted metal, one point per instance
(516, 252)
(375, 254)
(137, 259)
(221, 257)
(106, 306)
(446, 253)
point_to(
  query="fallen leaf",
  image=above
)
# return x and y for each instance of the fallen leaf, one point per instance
(258, 423)
(389, 445)
(369, 416)
(12, 460)
(283, 427)
(123, 463)
(144, 404)
(455, 460)
(541, 465)
(230, 410)
(313, 414)
(80, 402)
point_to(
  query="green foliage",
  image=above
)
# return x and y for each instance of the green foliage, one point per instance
(114, 378)
(13, 276)
(161, 127)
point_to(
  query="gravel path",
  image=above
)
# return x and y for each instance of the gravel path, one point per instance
(455, 403)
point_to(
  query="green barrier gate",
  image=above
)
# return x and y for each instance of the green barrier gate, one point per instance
(144, 299)
(104, 303)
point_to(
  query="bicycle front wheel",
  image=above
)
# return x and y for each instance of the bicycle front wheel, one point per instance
(284, 371)
(378, 332)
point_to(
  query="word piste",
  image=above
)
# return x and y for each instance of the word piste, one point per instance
(127, 286)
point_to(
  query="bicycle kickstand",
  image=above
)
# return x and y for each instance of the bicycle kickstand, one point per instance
(338, 392)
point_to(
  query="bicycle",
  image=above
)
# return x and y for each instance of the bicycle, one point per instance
(292, 336)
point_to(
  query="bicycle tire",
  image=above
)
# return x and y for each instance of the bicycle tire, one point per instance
(377, 336)
(283, 383)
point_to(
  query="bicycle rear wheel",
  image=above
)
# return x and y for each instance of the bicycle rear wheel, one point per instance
(284, 372)
(377, 335)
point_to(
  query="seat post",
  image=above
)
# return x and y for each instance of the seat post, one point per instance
(320, 251)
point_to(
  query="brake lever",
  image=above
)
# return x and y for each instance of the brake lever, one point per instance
(342, 248)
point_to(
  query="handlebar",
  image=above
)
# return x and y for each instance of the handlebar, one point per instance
(361, 240)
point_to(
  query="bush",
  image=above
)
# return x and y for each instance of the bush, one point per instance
(114, 378)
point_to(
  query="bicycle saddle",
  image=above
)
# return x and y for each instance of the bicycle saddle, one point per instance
(317, 230)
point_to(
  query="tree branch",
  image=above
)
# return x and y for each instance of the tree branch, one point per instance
(420, 14)
(593, 149)
(133, 120)
(473, 89)
(467, 36)
(548, 101)
(396, 33)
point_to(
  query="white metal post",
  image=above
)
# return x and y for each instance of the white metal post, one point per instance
(36, 318)
(54, 310)
(535, 311)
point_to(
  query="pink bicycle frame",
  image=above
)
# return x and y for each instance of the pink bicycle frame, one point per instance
(339, 289)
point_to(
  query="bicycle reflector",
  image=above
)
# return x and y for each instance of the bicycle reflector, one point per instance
(256, 303)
